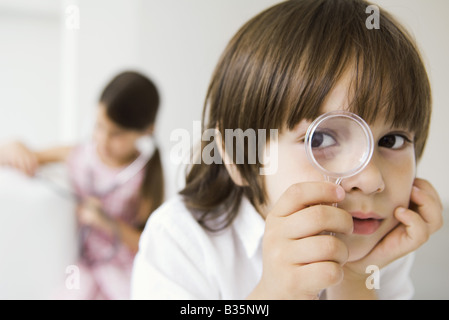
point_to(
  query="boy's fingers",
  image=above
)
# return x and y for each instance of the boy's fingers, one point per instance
(428, 204)
(316, 249)
(319, 275)
(416, 229)
(301, 195)
(407, 236)
(316, 219)
(427, 187)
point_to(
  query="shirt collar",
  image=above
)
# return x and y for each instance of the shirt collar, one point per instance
(250, 226)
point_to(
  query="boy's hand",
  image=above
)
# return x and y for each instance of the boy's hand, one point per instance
(416, 224)
(17, 155)
(298, 259)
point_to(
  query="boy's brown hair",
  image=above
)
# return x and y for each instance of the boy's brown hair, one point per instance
(279, 68)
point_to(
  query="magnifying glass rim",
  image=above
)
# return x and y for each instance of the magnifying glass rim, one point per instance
(332, 114)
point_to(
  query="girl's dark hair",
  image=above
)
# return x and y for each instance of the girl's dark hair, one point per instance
(132, 101)
(278, 70)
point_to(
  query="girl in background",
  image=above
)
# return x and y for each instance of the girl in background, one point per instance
(118, 181)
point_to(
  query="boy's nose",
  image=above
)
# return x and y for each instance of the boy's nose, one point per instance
(368, 181)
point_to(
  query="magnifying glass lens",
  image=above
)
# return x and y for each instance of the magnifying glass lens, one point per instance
(339, 144)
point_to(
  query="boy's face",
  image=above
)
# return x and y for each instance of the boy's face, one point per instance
(374, 193)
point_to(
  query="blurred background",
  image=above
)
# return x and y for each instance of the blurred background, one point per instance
(57, 55)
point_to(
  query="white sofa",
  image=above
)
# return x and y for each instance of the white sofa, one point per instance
(38, 241)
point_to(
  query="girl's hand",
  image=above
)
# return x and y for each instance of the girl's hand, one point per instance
(298, 259)
(15, 154)
(90, 213)
(416, 224)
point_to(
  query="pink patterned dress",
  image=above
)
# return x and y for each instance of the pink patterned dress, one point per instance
(105, 264)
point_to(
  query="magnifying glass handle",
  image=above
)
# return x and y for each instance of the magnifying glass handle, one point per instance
(337, 182)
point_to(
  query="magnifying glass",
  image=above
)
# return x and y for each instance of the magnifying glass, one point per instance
(339, 144)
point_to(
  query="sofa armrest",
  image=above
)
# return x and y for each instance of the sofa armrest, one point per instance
(38, 239)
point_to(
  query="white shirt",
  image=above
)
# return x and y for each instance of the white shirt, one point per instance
(179, 259)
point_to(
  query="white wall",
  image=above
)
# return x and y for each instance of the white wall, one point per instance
(29, 71)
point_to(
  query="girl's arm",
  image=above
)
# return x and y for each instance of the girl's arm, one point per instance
(17, 155)
(55, 154)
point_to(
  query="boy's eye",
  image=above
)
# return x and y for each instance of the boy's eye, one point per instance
(322, 140)
(393, 141)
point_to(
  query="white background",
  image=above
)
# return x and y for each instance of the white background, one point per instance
(51, 77)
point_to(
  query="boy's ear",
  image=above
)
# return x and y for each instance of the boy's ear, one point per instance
(231, 167)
